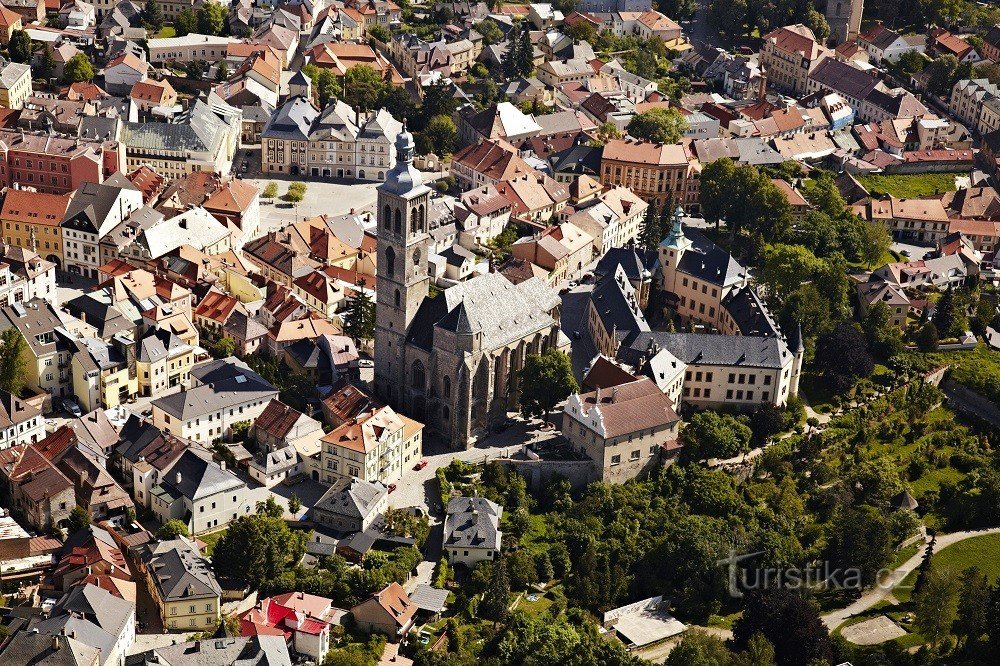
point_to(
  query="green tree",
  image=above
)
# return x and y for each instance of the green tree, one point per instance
(817, 23)
(439, 136)
(927, 337)
(710, 434)
(546, 380)
(698, 648)
(496, 600)
(729, 17)
(327, 87)
(363, 87)
(651, 232)
(936, 604)
(212, 18)
(359, 318)
(271, 190)
(943, 75)
(746, 199)
(172, 529)
(974, 610)
(679, 10)
(195, 69)
(222, 71)
(224, 348)
(911, 62)
(379, 33)
(186, 23)
(259, 547)
(525, 53)
(859, 539)
(13, 366)
(658, 125)
(152, 16)
(47, 63)
(944, 314)
(842, 356)
(791, 623)
(78, 69)
(491, 32)
(19, 47)
(294, 504)
(296, 192)
(79, 518)
(875, 242)
(759, 652)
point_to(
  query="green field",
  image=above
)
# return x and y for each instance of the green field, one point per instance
(981, 551)
(210, 540)
(166, 31)
(909, 186)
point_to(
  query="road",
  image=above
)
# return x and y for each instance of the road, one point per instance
(883, 590)
(698, 29)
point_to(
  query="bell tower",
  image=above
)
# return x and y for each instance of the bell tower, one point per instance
(401, 283)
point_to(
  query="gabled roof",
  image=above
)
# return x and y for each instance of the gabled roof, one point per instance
(180, 573)
(353, 498)
(472, 522)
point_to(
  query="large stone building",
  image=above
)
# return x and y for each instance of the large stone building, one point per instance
(844, 17)
(450, 361)
(790, 54)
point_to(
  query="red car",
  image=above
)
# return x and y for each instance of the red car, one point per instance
(392, 487)
(421, 464)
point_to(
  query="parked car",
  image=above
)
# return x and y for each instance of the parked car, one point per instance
(421, 464)
(366, 363)
(392, 487)
(70, 406)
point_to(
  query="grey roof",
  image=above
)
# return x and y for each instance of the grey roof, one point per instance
(582, 159)
(243, 327)
(135, 436)
(276, 461)
(429, 598)
(180, 572)
(202, 128)
(37, 321)
(844, 78)
(96, 604)
(96, 309)
(614, 300)
(354, 498)
(633, 261)
(499, 310)
(157, 345)
(472, 522)
(456, 255)
(711, 349)
(27, 647)
(221, 387)
(757, 152)
(79, 628)
(196, 477)
(251, 651)
(749, 312)
(10, 74)
(101, 127)
(292, 120)
(92, 202)
(707, 261)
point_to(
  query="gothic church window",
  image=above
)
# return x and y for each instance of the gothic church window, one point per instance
(390, 261)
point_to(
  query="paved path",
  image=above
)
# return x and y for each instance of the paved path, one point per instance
(877, 594)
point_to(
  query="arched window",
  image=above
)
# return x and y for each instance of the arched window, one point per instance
(413, 221)
(445, 412)
(416, 258)
(417, 376)
(447, 387)
(423, 219)
(397, 298)
(387, 217)
(398, 223)
(390, 261)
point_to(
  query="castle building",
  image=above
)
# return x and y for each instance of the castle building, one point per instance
(449, 361)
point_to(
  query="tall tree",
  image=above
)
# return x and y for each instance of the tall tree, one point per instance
(859, 539)
(19, 46)
(936, 604)
(359, 318)
(658, 125)
(713, 435)
(944, 313)
(525, 53)
(875, 243)
(13, 366)
(651, 232)
(789, 622)
(440, 136)
(172, 529)
(152, 16)
(78, 519)
(363, 87)
(496, 600)
(47, 63)
(212, 18)
(186, 23)
(327, 87)
(700, 648)
(509, 65)
(78, 69)
(258, 547)
(546, 380)
(974, 609)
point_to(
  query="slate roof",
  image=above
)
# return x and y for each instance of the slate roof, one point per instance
(180, 572)
(30, 648)
(80, 629)
(844, 78)
(200, 129)
(96, 604)
(710, 349)
(353, 498)
(222, 383)
(251, 651)
(472, 522)
(195, 477)
(614, 299)
(708, 262)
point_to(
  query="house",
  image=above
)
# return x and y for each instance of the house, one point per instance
(789, 55)
(487, 163)
(279, 426)
(31, 220)
(163, 360)
(49, 350)
(388, 611)
(145, 454)
(94, 210)
(326, 359)
(472, 531)
(123, 72)
(199, 492)
(148, 95)
(303, 619)
(881, 43)
(102, 373)
(9, 22)
(876, 291)
(351, 505)
(37, 490)
(258, 650)
(626, 429)
(95, 490)
(29, 158)
(26, 647)
(20, 421)
(101, 608)
(182, 586)
(90, 551)
(657, 173)
(192, 46)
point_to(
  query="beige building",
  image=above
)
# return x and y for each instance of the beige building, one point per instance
(789, 55)
(389, 611)
(187, 48)
(376, 445)
(15, 85)
(657, 173)
(182, 585)
(626, 430)
(163, 360)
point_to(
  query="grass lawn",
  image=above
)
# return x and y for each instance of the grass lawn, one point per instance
(909, 186)
(534, 608)
(981, 551)
(210, 540)
(534, 539)
(167, 31)
(903, 555)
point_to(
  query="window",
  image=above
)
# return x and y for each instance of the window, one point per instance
(729, 394)
(635, 455)
(708, 376)
(708, 393)
(616, 459)
(732, 378)
(749, 395)
(767, 380)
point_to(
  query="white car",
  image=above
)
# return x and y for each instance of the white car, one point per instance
(366, 363)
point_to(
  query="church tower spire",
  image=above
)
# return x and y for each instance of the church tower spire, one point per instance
(402, 282)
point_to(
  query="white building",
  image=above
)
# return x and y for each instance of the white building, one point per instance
(200, 493)
(472, 530)
(189, 47)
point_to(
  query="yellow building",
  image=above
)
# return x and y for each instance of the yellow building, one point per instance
(102, 375)
(15, 85)
(183, 586)
(162, 360)
(32, 219)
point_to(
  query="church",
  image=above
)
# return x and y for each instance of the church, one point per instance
(452, 360)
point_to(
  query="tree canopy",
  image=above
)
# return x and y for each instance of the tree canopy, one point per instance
(259, 547)
(546, 380)
(13, 364)
(658, 125)
(710, 434)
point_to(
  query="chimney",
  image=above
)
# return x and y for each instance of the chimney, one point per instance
(222, 464)
(177, 477)
(55, 642)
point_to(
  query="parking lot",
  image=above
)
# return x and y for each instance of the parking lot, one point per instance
(321, 198)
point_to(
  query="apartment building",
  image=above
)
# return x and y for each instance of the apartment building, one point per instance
(192, 46)
(182, 585)
(54, 163)
(658, 173)
(49, 349)
(94, 210)
(15, 85)
(968, 97)
(199, 492)
(32, 220)
(378, 444)
(789, 55)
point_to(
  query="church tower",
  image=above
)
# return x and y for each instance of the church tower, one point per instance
(844, 17)
(401, 283)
